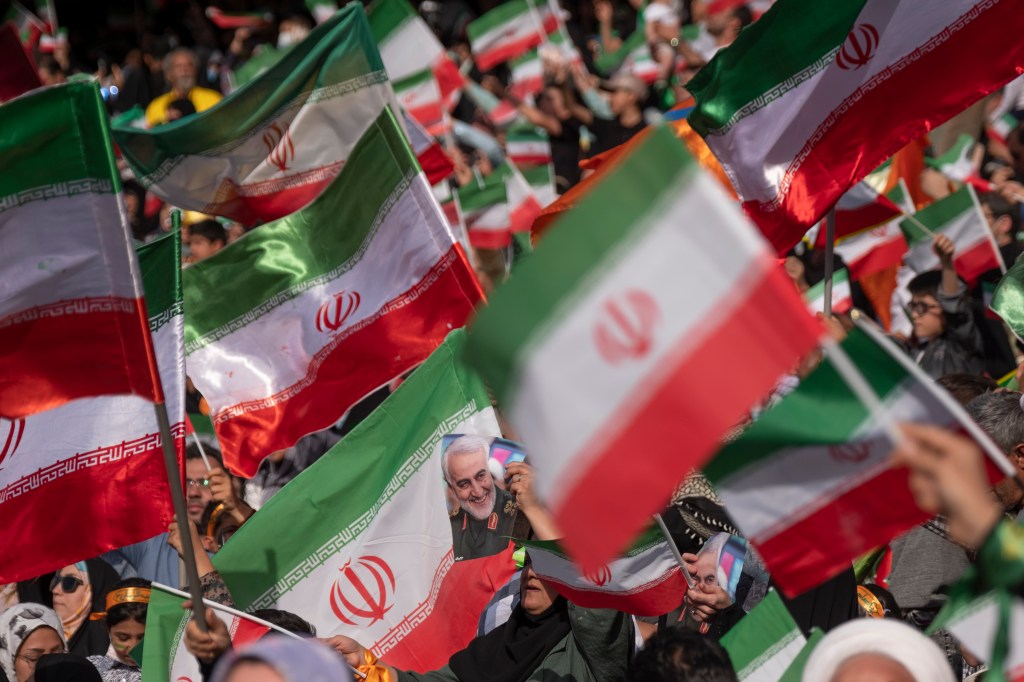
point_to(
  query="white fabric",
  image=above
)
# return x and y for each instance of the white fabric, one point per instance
(16, 624)
(919, 655)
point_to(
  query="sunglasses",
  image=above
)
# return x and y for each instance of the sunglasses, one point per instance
(68, 583)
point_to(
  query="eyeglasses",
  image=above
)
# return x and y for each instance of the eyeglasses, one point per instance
(919, 308)
(197, 482)
(33, 660)
(68, 583)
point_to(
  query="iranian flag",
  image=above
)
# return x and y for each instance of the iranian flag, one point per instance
(164, 656)
(435, 163)
(72, 316)
(233, 20)
(527, 76)
(765, 642)
(420, 97)
(842, 296)
(273, 145)
(360, 543)
(633, 56)
(861, 208)
(527, 145)
(880, 248)
(1008, 298)
(962, 162)
(500, 112)
(485, 210)
(959, 217)
(104, 443)
(542, 181)
(999, 129)
(523, 205)
(810, 483)
(407, 46)
(602, 354)
(509, 30)
(815, 95)
(645, 581)
(18, 73)
(291, 326)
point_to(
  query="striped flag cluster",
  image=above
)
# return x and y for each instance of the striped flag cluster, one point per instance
(509, 30)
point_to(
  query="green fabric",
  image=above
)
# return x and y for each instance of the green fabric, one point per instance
(290, 252)
(508, 12)
(795, 671)
(387, 16)
(937, 215)
(164, 618)
(160, 266)
(760, 635)
(267, 57)
(1008, 298)
(777, 52)
(521, 309)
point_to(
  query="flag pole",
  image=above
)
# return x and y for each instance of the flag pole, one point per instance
(202, 451)
(675, 550)
(918, 224)
(860, 388)
(178, 499)
(241, 614)
(830, 247)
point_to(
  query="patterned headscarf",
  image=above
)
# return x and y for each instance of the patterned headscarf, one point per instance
(295, 660)
(16, 624)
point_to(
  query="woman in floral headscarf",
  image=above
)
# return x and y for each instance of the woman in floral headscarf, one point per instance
(27, 632)
(79, 591)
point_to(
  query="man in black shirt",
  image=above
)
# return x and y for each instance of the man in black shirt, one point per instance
(626, 118)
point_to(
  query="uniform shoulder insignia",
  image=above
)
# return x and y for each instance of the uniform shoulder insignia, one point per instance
(510, 507)
(492, 521)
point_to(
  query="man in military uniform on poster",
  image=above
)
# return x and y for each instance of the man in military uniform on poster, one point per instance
(483, 521)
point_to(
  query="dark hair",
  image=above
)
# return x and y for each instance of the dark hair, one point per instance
(286, 620)
(744, 14)
(1001, 207)
(192, 452)
(211, 229)
(183, 107)
(132, 611)
(926, 284)
(681, 655)
(966, 387)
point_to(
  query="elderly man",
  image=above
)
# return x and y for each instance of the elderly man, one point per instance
(482, 523)
(181, 67)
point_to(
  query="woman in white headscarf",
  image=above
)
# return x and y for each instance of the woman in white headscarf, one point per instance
(28, 632)
(870, 649)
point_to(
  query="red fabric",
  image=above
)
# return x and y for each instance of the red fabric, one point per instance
(18, 73)
(361, 363)
(941, 83)
(54, 354)
(681, 422)
(655, 599)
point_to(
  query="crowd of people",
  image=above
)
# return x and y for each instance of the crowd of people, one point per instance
(83, 621)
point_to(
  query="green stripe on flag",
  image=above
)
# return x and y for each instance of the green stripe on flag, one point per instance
(387, 16)
(165, 621)
(505, 13)
(609, 61)
(583, 244)
(650, 538)
(795, 671)
(160, 265)
(762, 634)
(473, 197)
(310, 243)
(1008, 298)
(777, 53)
(537, 175)
(412, 81)
(71, 161)
(937, 215)
(821, 411)
(354, 479)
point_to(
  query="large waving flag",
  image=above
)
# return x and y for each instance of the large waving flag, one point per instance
(813, 96)
(959, 217)
(271, 146)
(104, 443)
(72, 318)
(509, 30)
(372, 558)
(601, 352)
(645, 581)
(294, 324)
(810, 483)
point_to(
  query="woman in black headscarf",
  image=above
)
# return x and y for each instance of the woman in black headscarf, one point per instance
(79, 591)
(546, 637)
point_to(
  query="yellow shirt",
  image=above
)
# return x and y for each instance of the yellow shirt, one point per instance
(201, 98)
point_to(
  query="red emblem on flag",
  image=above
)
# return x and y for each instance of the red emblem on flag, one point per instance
(858, 48)
(332, 314)
(626, 329)
(10, 437)
(850, 452)
(280, 149)
(600, 577)
(363, 591)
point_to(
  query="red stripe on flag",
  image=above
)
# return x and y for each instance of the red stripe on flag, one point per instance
(43, 351)
(272, 199)
(823, 543)
(674, 425)
(505, 51)
(905, 106)
(360, 364)
(522, 216)
(653, 599)
(976, 261)
(435, 164)
(490, 239)
(885, 255)
(18, 73)
(529, 159)
(119, 495)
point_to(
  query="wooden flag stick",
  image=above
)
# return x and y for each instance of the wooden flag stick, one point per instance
(202, 451)
(918, 224)
(830, 265)
(675, 550)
